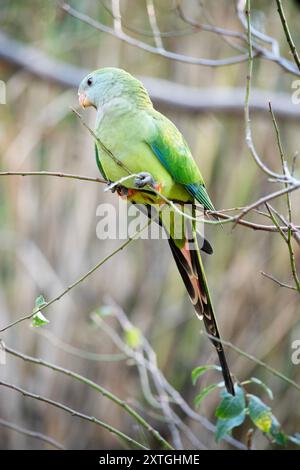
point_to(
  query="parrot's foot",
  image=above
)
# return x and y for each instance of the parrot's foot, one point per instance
(118, 188)
(144, 179)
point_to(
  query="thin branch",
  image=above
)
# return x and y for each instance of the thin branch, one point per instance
(117, 19)
(160, 196)
(73, 412)
(288, 241)
(101, 144)
(147, 47)
(151, 34)
(283, 165)
(248, 130)
(274, 54)
(223, 33)
(209, 27)
(165, 92)
(105, 393)
(287, 33)
(77, 282)
(280, 283)
(256, 361)
(271, 211)
(121, 35)
(293, 265)
(240, 8)
(219, 213)
(287, 238)
(53, 173)
(287, 227)
(252, 225)
(77, 352)
(153, 369)
(154, 26)
(173, 420)
(33, 434)
(264, 199)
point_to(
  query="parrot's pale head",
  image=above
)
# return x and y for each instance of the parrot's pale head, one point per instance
(103, 85)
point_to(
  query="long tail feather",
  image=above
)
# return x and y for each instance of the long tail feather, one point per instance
(190, 266)
(191, 269)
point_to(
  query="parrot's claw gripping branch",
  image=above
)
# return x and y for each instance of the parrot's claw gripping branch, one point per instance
(121, 190)
(144, 179)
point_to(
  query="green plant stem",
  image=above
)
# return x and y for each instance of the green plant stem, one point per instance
(73, 412)
(78, 281)
(287, 33)
(257, 361)
(136, 416)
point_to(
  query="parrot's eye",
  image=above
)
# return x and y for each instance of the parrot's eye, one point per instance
(89, 81)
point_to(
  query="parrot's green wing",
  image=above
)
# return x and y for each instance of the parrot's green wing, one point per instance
(171, 149)
(98, 161)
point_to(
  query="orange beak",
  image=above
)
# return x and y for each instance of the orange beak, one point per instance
(83, 101)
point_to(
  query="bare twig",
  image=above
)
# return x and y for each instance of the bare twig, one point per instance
(78, 352)
(271, 211)
(56, 174)
(154, 26)
(252, 225)
(73, 412)
(151, 34)
(280, 283)
(286, 237)
(147, 47)
(283, 165)
(101, 144)
(287, 33)
(274, 54)
(219, 213)
(248, 130)
(152, 368)
(288, 240)
(77, 282)
(209, 27)
(33, 434)
(174, 95)
(256, 361)
(105, 393)
(121, 35)
(264, 199)
(241, 6)
(293, 265)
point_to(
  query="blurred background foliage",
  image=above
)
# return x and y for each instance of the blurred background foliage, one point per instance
(48, 226)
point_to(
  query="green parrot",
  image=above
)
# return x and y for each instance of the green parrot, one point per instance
(136, 139)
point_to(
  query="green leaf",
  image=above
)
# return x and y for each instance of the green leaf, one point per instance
(38, 320)
(263, 385)
(39, 303)
(133, 337)
(198, 371)
(295, 439)
(260, 413)
(231, 406)
(204, 393)
(225, 426)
